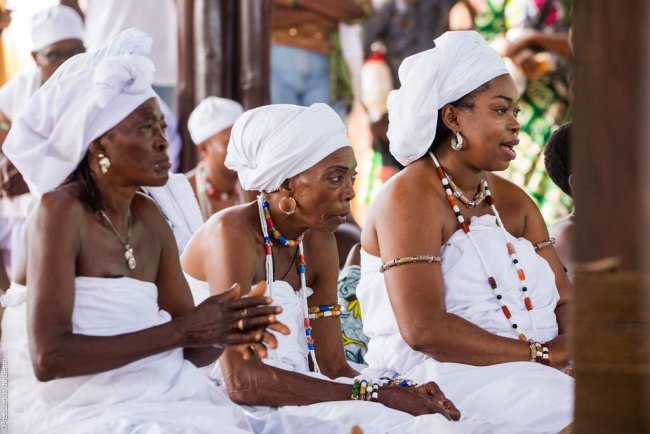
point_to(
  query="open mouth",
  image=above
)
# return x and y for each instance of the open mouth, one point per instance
(508, 149)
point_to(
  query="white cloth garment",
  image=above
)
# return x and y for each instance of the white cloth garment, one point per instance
(159, 393)
(158, 18)
(527, 397)
(333, 416)
(54, 24)
(88, 95)
(460, 62)
(272, 143)
(211, 116)
(179, 206)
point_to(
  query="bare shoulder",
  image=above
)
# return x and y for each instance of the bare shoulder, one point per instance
(60, 205)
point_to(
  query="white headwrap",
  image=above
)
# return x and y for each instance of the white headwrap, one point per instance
(211, 116)
(87, 96)
(55, 24)
(459, 63)
(273, 143)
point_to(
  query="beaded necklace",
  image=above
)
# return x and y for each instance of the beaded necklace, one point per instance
(528, 303)
(268, 226)
(469, 203)
(206, 190)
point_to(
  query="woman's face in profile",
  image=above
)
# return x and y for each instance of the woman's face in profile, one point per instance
(324, 191)
(137, 147)
(490, 129)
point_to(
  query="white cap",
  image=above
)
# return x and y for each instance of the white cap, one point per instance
(55, 24)
(214, 114)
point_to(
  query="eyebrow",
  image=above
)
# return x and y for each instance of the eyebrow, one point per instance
(507, 98)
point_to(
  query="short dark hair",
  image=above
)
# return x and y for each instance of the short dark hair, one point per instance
(557, 157)
(442, 132)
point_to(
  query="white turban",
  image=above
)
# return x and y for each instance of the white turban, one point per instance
(55, 24)
(214, 114)
(87, 96)
(459, 63)
(273, 143)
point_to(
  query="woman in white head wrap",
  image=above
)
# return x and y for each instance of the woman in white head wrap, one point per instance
(215, 186)
(301, 161)
(108, 311)
(444, 278)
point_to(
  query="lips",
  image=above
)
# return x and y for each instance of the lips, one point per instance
(507, 148)
(163, 163)
(341, 217)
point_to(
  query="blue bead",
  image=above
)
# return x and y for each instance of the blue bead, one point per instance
(307, 332)
(310, 347)
(301, 269)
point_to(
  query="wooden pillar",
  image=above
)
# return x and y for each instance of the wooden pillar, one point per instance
(611, 337)
(254, 52)
(224, 51)
(186, 97)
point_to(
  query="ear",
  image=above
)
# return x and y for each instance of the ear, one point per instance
(450, 117)
(203, 150)
(98, 146)
(287, 188)
(571, 184)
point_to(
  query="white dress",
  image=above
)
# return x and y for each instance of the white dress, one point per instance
(524, 396)
(333, 416)
(160, 393)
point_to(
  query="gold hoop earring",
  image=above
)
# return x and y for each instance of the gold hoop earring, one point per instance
(288, 209)
(104, 163)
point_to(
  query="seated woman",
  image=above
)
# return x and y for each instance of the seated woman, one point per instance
(102, 336)
(458, 282)
(301, 161)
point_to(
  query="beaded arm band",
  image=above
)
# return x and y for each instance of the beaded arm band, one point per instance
(324, 311)
(409, 260)
(546, 243)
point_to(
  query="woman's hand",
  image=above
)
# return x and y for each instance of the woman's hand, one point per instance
(229, 319)
(424, 399)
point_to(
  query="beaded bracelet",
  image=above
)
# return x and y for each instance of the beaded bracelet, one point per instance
(546, 243)
(409, 260)
(365, 390)
(540, 353)
(324, 311)
(397, 382)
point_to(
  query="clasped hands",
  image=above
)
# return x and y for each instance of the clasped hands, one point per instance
(231, 320)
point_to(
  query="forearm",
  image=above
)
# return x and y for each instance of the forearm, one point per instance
(246, 379)
(557, 42)
(562, 316)
(454, 339)
(72, 355)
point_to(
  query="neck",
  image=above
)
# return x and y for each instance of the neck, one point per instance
(221, 181)
(116, 200)
(289, 226)
(464, 176)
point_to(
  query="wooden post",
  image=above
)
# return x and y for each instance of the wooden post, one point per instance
(611, 337)
(186, 79)
(254, 52)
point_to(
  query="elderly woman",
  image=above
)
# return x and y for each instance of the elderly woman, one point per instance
(301, 161)
(460, 283)
(111, 327)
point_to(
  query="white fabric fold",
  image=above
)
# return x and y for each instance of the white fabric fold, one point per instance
(87, 96)
(179, 206)
(272, 143)
(460, 62)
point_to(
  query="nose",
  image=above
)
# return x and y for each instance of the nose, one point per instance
(348, 191)
(514, 125)
(160, 140)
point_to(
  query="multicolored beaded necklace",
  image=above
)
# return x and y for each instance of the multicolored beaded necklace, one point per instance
(206, 190)
(268, 226)
(528, 303)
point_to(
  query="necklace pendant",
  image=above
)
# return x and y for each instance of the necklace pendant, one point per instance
(130, 257)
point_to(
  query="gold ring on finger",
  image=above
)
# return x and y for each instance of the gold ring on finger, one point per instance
(243, 312)
(240, 325)
(252, 348)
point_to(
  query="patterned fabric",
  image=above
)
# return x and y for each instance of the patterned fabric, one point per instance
(355, 343)
(545, 104)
